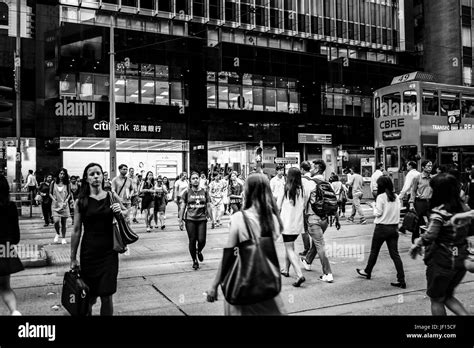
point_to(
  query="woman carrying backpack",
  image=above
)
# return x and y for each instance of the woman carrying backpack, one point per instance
(446, 246)
(341, 193)
(387, 217)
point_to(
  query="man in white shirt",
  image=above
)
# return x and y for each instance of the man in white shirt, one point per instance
(123, 187)
(315, 226)
(373, 179)
(356, 182)
(412, 173)
(277, 183)
(31, 184)
(216, 192)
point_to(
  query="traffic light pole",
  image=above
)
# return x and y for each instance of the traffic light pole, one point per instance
(112, 119)
(17, 65)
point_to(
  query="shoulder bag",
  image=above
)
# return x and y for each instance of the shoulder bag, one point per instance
(123, 234)
(250, 271)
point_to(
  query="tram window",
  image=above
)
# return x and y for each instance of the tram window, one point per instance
(391, 157)
(395, 98)
(407, 153)
(430, 102)
(449, 102)
(431, 154)
(467, 104)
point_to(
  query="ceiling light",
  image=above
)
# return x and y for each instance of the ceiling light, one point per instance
(120, 82)
(149, 84)
(164, 93)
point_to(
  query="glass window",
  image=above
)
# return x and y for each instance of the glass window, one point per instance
(338, 101)
(214, 9)
(389, 101)
(211, 76)
(131, 90)
(247, 79)
(223, 97)
(449, 102)
(467, 105)
(230, 11)
(282, 100)
(3, 14)
(466, 36)
(162, 93)
(410, 103)
(467, 75)
(270, 99)
(86, 85)
(348, 106)
(407, 153)
(101, 87)
(147, 91)
(198, 8)
(294, 102)
(357, 106)
(234, 94)
(176, 93)
(248, 99)
(258, 99)
(367, 107)
(67, 84)
(391, 157)
(120, 89)
(211, 96)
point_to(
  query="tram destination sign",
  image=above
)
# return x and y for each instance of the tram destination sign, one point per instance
(286, 160)
(310, 138)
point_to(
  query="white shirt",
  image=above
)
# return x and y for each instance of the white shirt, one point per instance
(277, 186)
(308, 186)
(408, 181)
(386, 213)
(292, 215)
(373, 179)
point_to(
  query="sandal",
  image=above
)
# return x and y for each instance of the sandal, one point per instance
(285, 274)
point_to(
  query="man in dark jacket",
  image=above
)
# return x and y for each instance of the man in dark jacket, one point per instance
(46, 200)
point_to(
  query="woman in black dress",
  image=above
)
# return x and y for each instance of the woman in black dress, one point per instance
(146, 191)
(9, 236)
(99, 262)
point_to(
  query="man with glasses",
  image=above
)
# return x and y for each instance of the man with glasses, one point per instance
(421, 193)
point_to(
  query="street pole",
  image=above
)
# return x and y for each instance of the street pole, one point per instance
(17, 64)
(112, 130)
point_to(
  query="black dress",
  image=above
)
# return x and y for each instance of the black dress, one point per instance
(9, 236)
(99, 262)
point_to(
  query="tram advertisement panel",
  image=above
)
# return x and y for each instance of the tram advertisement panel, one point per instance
(397, 118)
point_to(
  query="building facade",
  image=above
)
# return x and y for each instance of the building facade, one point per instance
(202, 83)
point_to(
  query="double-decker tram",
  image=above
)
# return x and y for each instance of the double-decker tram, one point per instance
(408, 116)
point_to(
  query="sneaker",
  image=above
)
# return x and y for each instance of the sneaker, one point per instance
(303, 253)
(163, 227)
(200, 257)
(328, 278)
(195, 265)
(148, 229)
(157, 226)
(350, 219)
(213, 225)
(45, 225)
(306, 265)
(56, 239)
(363, 221)
(16, 313)
(63, 241)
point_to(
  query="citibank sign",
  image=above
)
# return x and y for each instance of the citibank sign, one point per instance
(73, 108)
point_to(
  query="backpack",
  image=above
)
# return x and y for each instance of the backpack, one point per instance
(322, 199)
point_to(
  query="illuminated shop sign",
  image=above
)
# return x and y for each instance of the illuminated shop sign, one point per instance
(127, 127)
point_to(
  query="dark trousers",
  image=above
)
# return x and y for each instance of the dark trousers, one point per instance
(235, 207)
(422, 208)
(342, 207)
(47, 214)
(197, 236)
(389, 235)
(306, 237)
(32, 194)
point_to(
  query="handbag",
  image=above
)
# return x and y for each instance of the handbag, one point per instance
(349, 193)
(127, 235)
(75, 296)
(250, 271)
(38, 198)
(410, 221)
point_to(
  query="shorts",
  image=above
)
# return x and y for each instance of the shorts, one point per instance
(289, 238)
(441, 282)
(135, 201)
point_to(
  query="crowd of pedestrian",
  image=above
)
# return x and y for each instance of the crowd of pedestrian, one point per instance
(300, 202)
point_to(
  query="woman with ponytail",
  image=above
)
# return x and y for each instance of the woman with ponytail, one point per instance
(387, 216)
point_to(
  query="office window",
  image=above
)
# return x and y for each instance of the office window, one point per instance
(270, 99)
(3, 13)
(215, 9)
(176, 94)
(131, 3)
(467, 75)
(245, 12)
(162, 94)
(211, 96)
(67, 84)
(234, 94)
(258, 99)
(165, 5)
(261, 16)
(248, 98)
(282, 100)
(131, 90)
(367, 107)
(466, 36)
(230, 11)
(147, 4)
(182, 6)
(223, 97)
(147, 91)
(198, 8)
(101, 87)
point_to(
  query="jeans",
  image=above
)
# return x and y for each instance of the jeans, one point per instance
(356, 205)
(217, 211)
(196, 235)
(306, 237)
(47, 214)
(422, 208)
(389, 235)
(316, 228)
